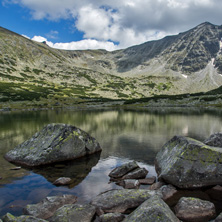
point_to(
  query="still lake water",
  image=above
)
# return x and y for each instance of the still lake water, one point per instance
(123, 136)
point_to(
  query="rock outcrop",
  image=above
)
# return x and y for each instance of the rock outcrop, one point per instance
(188, 163)
(54, 143)
(47, 207)
(154, 209)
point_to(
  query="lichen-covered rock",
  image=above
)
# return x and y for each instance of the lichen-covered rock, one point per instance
(188, 163)
(214, 140)
(194, 209)
(122, 170)
(74, 212)
(121, 200)
(152, 210)
(10, 218)
(47, 207)
(54, 143)
(138, 173)
(111, 217)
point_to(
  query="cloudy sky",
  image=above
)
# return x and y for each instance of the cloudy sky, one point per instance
(106, 24)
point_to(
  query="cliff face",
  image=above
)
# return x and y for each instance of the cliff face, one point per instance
(185, 63)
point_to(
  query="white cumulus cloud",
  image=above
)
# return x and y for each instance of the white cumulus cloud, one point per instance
(126, 22)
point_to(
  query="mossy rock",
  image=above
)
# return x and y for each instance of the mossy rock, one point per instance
(10, 218)
(54, 143)
(188, 163)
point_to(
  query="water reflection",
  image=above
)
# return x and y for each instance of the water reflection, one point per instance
(77, 170)
(123, 135)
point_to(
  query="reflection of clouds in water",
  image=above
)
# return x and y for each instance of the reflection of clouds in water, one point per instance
(98, 180)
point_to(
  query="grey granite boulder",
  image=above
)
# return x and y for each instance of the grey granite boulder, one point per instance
(10, 218)
(74, 212)
(152, 210)
(194, 209)
(118, 201)
(188, 163)
(214, 140)
(219, 218)
(54, 143)
(122, 170)
(47, 207)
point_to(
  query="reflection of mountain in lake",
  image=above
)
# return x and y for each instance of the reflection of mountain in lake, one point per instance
(77, 169)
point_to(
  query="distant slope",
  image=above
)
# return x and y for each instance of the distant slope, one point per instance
(186, 63)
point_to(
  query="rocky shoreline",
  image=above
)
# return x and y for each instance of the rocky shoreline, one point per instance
(188, 188)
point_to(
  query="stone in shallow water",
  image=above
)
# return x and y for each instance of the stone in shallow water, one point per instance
(194, 209)
(148, 181)
(74, 212)
(10, 218)
(54, 143)
(137, 173)
(188, 163)
(153, 209)
(62, 181)
(120, 171)
(118, 201)
(48, 206)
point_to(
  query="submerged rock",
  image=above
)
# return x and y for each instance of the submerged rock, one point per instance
(122, 170)
(121, 200)
(188, 163)
(194, 209)
(214, 140)
(74, 212)
(54, 143)
(153, 209)
(47, 207)
(62, 181)
(10, 218)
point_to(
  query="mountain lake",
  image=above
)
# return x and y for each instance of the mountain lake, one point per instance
(123, 135)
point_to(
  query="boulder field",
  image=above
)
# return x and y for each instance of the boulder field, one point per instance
(189, 187)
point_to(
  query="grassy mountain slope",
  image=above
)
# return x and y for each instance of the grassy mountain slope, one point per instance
(186, 63)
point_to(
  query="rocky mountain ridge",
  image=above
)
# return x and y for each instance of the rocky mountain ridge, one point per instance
(189, 62)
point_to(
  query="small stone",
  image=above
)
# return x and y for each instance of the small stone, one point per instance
(111, 217)
(16, 168)
(138, 173)
(0, 178)
(131, 184)
(168, 191)
(215, 192)
(62, 181)
(194, 209)
(156, 186)
(214, 140)
(147, 181)
(120, 171)
(219, 218)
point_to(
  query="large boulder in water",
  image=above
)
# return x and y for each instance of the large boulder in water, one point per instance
(188, 163)
(214, 140)
(54, 143)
